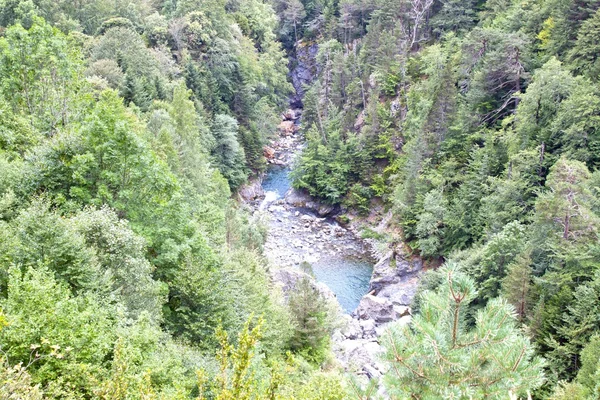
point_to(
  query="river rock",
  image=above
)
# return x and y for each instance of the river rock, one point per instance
(289, 115)
(376, 308)
(287, 128)
(368, 327)
(324, 209)
(306, 218)
(354, 355)
(297, 198)
(251, 190)
(352, 329)
(268, 152)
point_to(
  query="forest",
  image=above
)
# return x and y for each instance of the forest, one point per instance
(130, 269)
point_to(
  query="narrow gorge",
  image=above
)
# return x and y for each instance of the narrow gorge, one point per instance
(370, 287)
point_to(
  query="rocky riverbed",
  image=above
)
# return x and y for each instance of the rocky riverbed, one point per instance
(373, 289)
(302, 230)
(358, 344)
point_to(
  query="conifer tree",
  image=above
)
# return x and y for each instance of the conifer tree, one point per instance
(439, 356)
(310, 315)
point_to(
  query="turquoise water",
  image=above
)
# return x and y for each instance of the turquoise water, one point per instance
(347, 278)
(277, 181)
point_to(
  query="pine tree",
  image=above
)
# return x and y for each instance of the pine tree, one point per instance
(439, 356)
(589, 373)
(294, 13)
(585, 54)
(310, 315)
(517, 284)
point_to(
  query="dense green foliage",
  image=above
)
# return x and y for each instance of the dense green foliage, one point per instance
(124, 259)
(478, 124)
(439, 356)
(126, 129)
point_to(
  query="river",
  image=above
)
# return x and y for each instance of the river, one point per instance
(297, 235)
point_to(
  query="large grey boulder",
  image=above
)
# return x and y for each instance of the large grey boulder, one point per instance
(251, 190)
(297, 198)
(351, 329)
(376, 308)
(361, 355)
(324, 209)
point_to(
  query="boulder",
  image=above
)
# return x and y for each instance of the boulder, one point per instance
(306, 218)
(406, 265)
(251, 190)
(368, 327)
(358, 353)
(352, 330)
(287, 128)
(289, 115)
(324, 209)
(297, 198)
(376, 308)
(269, 152)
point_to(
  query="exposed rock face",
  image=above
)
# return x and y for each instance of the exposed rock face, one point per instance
(304, 69)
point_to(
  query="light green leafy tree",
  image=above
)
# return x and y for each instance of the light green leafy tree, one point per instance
(40, 74)
(41, 311)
